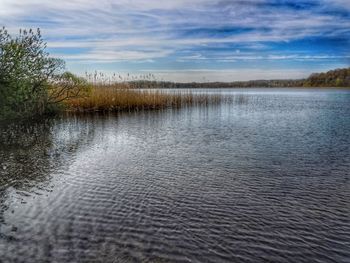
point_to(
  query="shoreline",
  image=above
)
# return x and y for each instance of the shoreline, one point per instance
(227, 88)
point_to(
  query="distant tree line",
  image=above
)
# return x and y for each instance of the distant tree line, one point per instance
(236, 84)
(333, 78)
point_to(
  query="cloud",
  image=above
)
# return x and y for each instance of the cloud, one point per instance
(172, 32)
(112, 56)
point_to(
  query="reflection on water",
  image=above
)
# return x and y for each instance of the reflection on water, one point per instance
(263, 179)
(30, 152)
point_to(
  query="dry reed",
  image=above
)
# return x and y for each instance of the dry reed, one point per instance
(109, 98)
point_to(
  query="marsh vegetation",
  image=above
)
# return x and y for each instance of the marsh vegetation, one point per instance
(109, 98)
(33, 84)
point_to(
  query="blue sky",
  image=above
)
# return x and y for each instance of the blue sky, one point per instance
(198, 40)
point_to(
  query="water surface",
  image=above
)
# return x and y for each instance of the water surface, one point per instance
(264, 179)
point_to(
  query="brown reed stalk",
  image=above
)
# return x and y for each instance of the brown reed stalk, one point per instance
(119, 97)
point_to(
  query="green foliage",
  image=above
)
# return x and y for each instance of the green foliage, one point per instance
(31, 82)
(25, 71)
(332, 78)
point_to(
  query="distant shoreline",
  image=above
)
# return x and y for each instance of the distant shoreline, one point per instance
(218, 85)
(261, 87)
(338, 78)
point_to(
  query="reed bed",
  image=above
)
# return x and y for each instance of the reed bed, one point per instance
(109, 98)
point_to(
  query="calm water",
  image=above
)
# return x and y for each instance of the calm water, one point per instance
(265, 179)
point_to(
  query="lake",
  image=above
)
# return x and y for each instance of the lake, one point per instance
(265, 178)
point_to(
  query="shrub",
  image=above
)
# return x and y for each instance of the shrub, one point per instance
(29, 78)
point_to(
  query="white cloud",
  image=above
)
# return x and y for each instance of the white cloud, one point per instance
(108, 31)
(101, 55)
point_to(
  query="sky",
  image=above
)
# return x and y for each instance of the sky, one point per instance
(185, 41)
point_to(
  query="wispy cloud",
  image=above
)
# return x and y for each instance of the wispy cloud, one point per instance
(175, 34)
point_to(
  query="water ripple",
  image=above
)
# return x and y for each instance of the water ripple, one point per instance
(263, 180)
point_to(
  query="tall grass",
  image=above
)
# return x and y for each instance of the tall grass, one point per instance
(118, 97)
